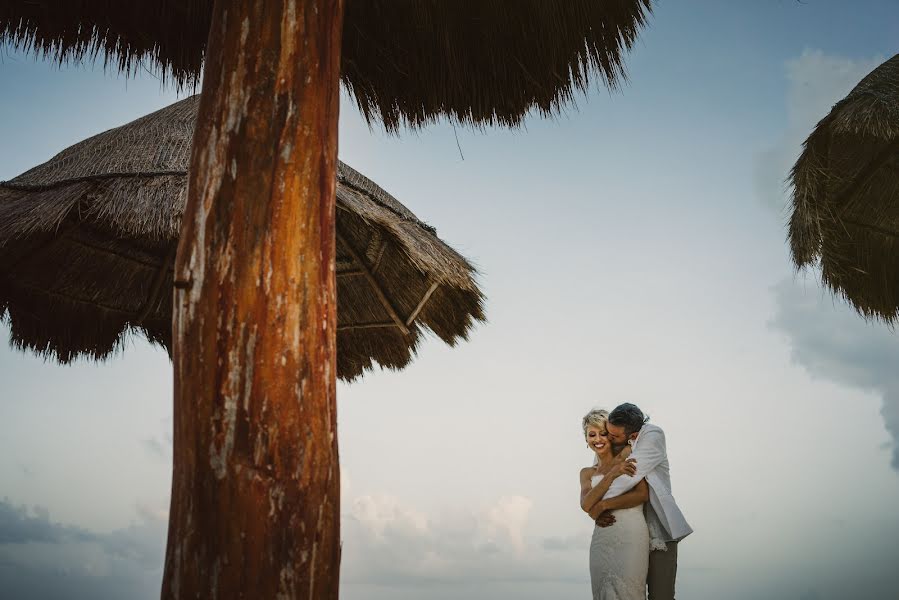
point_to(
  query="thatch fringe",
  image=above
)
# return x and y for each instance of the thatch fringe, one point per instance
(142, 206)
(405, 62)
(845, 198)
(87, 260)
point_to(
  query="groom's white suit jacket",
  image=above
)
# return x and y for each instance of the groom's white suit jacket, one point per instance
(652, 465)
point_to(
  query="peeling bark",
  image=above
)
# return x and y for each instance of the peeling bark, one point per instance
(255, 489)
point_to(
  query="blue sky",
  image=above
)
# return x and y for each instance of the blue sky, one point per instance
(631, 250)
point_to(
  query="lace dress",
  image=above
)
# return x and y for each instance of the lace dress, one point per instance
(619, 555)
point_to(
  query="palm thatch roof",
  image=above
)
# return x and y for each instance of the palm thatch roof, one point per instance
(87, 248)
(845, 197)
(404, 61)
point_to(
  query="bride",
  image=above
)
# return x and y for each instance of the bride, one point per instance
(619, 554)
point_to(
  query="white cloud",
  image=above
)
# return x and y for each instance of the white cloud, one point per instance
(831, 341)
(506, 521)
(389, 541)
(40, 558)
(816, 81)
(827, 338)
(383, 517)
(157, 449)
(566, 544)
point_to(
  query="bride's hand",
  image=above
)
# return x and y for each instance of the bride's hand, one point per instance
(626, 467)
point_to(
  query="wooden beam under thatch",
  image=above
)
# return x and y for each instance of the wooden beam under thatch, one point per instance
(375, 286)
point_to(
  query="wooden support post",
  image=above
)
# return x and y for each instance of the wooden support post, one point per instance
(255, 488)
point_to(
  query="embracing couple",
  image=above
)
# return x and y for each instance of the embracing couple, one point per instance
(628, 493)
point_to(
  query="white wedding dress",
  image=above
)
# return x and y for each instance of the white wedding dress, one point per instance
(619, 555)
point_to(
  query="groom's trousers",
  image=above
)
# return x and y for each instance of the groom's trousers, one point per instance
(662, 573)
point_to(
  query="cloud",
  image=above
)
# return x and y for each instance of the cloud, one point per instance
(831, 341)
(389, 541)
(507, 519)
(160, 446)
(386, 542)
(568, 543)
(157, 449)
(815, 81)
(43, 559)
(19, 525)
(827, 337)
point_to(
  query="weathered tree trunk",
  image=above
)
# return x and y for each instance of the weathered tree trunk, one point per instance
(255, 491)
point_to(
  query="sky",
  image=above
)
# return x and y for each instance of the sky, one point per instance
(632, 249)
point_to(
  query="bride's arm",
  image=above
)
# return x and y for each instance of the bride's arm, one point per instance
(590, 496)
(635, 497)
(586, 474)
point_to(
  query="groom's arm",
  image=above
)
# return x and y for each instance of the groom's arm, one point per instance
(649, 452)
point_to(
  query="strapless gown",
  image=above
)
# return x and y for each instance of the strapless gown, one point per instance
(619, 556)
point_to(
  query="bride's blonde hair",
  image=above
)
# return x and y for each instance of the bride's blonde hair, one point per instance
(597, 418)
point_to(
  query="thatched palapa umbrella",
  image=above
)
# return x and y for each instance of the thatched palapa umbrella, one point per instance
(87, 253)
(845, 196)
(255, 491)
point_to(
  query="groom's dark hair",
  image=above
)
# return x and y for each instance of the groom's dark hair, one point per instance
(629, 416)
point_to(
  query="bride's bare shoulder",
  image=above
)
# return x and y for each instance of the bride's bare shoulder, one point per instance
(587, 472)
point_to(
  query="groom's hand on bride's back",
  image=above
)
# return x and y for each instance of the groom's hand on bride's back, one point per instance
(605, 519)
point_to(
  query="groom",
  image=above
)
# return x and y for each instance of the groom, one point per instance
(667, 526)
